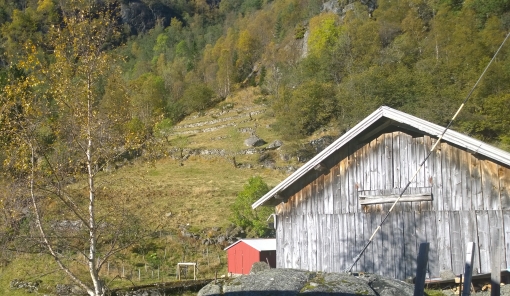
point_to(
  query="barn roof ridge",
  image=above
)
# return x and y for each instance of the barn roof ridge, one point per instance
(471, 144)
(259, 244)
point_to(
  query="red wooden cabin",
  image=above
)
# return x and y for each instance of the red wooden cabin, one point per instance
(242, 254)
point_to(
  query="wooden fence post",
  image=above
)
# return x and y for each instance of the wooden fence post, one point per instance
(421, 270)
(468, 269)
(496, 262)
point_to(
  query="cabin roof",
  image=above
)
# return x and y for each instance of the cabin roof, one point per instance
(376, 122)
(259, 244)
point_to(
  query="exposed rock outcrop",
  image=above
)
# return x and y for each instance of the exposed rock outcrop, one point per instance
(254, 141)
(297, 282)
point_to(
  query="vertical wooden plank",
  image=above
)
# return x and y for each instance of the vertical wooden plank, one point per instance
(366, 169)
(456, 179)
(405, 161)
(443, 227)
(297, 241)
(437, 188)
(353, 181)
(368, 229)
(335, 244)
(342, 242)
(396, 160)
(504, 187)
(457, 244)
(303, 254)
(476, 183)
(410, 243)
(344, 185)
(360, 176)
(351, 240)
(421, 234)
(414, 161)
(431, 233)
(320, 243)
(328, 192)
(287, 243)
(376, 244)
(506, 237)
(465, 183)
(380, 166)
(359, 238)
(307, 205)
(490, 185)
(396, 250)
(496, 224)
(446, 176)
(469, 233)
(374, 159)
(335, 187)
(311, 240)
(420, 156)
(328, 244)
(387, 166)
(319, 193)
(315, 245)
(482, 219)
(386, 242)
(280, 240)
(496, 259)
(407, 168)
(428, 173)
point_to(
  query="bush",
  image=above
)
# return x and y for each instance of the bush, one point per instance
(252, 221)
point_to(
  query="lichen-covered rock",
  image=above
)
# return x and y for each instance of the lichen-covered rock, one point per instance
(388, 287)
(297, 282)
(275, 145)
(258, 267)
(254, 141)
(339, 284)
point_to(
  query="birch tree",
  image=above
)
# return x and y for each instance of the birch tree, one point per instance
(62, 121)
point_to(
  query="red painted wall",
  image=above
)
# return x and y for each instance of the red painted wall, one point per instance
(241, 257)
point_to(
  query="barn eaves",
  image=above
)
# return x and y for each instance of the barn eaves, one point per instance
(383, 118)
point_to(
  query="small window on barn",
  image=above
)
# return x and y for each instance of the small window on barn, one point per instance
(369, 197)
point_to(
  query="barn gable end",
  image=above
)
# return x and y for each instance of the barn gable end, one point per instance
(460, 195)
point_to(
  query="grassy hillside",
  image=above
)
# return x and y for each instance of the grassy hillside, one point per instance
(170, 192)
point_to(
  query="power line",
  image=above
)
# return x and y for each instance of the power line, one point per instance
(356, 259)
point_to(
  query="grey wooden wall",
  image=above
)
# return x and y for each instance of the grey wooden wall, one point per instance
(323, 227)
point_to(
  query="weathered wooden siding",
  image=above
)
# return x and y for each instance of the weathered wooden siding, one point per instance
(323, 226)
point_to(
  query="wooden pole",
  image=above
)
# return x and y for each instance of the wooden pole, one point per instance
(468, 269)
(421, 270)
(496, 262)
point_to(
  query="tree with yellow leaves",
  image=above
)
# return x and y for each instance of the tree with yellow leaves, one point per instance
(63, 120)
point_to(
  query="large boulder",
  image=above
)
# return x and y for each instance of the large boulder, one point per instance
(254, 141)
(297, 282)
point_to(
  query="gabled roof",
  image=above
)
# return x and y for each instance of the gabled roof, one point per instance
(391, 117)
(259, 244)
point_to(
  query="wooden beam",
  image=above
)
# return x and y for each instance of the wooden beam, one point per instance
(378, 199)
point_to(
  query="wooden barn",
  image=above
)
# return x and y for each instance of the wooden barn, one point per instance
(327, 210)
(242, 254)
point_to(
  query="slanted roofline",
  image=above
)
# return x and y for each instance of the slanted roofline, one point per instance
(259, 244)
(404, 119)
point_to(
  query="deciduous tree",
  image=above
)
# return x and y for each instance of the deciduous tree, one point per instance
(62, 123)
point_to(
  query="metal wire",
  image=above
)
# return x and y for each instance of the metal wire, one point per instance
(356, 259)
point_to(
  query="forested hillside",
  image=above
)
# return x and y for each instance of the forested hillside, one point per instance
(92, 94)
